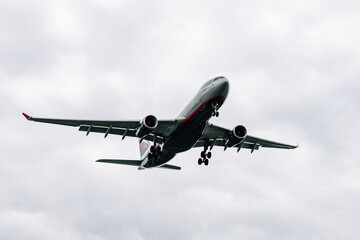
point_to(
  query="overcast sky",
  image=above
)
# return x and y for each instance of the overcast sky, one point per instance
(294, 75)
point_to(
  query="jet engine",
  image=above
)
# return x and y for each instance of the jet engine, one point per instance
(146, 126)
(237, 135)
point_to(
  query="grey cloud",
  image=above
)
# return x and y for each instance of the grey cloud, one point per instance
(293, 77)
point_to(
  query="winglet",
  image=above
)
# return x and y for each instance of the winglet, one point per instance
(26, 116)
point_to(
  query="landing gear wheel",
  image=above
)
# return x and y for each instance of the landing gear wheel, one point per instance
(206, 161)
(152, 148)
(205, 155)
(217, 114)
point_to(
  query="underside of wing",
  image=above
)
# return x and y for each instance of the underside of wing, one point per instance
(124, 128)
(221, 143)
(268, 143)
(217, 136)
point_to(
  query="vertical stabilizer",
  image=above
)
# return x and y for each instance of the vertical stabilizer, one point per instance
(143, 147)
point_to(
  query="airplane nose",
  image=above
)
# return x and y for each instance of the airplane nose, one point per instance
(224, 87)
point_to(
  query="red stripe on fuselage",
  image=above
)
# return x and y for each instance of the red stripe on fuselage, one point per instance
(206, 102)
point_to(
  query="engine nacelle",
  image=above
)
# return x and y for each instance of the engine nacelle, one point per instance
(237, 135)
(146, 126)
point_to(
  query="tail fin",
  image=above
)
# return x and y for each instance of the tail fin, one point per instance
(143, 147)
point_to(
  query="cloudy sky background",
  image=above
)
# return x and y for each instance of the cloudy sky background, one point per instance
(294, 75)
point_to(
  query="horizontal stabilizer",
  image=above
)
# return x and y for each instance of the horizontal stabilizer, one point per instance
(168, 166)
(136, 163)
(123, 162)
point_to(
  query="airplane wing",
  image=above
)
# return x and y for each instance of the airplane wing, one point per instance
(124, 128)
(217, 136)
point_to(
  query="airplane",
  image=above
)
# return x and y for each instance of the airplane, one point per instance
(161, 140)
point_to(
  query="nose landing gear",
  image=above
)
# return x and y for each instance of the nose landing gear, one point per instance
(215, 112)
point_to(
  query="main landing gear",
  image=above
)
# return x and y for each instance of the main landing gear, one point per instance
(205, 155)
(154, 152)
(204, 158)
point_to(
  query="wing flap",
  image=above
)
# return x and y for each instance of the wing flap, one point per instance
(221, 143)
(116, 131)
(119, 131)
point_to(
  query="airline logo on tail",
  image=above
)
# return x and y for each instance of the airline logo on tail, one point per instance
(144, 147)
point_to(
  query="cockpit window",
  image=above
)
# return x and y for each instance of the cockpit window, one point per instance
(206, 84)
(210, 81)
(217, 78)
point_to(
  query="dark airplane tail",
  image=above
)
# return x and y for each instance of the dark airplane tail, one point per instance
(143, 147)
